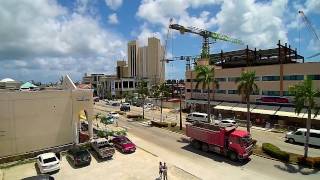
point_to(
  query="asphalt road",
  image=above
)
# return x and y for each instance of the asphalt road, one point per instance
(173, 148)
(261, 136)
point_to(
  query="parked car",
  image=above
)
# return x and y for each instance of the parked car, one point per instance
(96, 99)
(79, 156)
(300, 136)
(114, 115)
(48, 162)
(39, 177)
(124, 144)
(197, 117)
(115, 104)
(102, 147)
(125, 107)
(225, 123)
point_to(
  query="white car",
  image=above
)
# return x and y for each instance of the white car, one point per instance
(114, 115)
(225, 123)
(48, 162)
(148, 105)
(300, 136)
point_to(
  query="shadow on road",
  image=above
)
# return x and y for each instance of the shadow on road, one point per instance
(183, 140)
(215, 157)
(296, 169)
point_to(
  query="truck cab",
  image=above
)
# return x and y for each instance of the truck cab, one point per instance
(240, 142)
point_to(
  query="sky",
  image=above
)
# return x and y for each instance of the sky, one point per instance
(41, 40)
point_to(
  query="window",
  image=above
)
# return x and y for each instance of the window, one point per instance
(287, 93)
(188, 90)
(49, 160)
(232, 79)
(293, 77)
(314, 77)
(221, 91)
(298, 133)
(221, 79)
(130, 84)
(270, 78)
(315, 135)
(232, 92)
(257, 78)
(197, 90)
(125, 84)
(197, 115)
(271, 93)
(188, 80)
(116, 85)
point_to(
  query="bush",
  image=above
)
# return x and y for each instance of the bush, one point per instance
(134, 116)
(101, 134)
(309, 161)
(121, 112)
(275, 152)
(159, 124)
(173, 124)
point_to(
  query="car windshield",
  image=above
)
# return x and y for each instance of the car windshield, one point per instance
(81, 153)
(49, 160)
(125, 141)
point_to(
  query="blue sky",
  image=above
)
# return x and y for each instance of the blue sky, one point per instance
(41, 40)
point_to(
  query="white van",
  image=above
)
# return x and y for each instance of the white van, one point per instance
(197, 117)
(300, 136)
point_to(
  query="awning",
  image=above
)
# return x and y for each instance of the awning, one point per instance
(225, 106)
(243, 107)
(264, 109)
(312, 116)
(202, 102)
(289, 112)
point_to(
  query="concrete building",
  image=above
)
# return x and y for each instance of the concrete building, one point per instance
(276, 70)
(144, 63)
(9, 84)
(36, 120)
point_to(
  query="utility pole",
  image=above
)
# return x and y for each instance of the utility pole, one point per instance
(180, 109)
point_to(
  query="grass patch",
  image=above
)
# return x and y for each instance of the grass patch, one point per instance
(140, 119)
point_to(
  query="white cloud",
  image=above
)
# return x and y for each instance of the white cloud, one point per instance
(312, 6)
(114, 4)
(257, 24)
(145, 33)
(113, 18)
(46, 37)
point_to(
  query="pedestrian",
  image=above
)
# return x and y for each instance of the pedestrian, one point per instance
(164, 171)
(160, 170)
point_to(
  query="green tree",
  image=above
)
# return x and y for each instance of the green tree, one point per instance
(143, 92)
(161, 91)
(246, 87)
(305, 94)
(206, 77)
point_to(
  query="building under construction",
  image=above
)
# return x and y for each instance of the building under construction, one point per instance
(276, 69)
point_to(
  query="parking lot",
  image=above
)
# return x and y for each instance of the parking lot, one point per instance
(138, 165)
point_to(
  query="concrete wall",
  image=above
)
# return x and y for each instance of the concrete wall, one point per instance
(31, 121)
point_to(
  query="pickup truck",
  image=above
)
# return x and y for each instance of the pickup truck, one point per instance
(102, 147)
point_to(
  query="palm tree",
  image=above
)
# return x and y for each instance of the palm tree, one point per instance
(143, 92)
(305, 94)
(161, 91)
(205, 76)
(247, 86)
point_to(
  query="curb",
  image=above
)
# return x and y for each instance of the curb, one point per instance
(147, 151)
(274, 159)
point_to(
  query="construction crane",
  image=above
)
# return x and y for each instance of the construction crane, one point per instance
(311, 29)
(188, 60)
(205, 52)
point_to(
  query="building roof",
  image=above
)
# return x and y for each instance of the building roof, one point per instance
(28, 85)
(7, 80)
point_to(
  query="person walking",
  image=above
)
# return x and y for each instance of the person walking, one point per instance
(165, 173)
(160, 170)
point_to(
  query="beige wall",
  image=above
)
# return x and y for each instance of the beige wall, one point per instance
(31, 121)
(268, 70)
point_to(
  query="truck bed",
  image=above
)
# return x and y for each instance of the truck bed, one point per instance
(207, 133)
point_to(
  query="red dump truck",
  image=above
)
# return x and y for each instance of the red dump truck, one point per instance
(228, 141)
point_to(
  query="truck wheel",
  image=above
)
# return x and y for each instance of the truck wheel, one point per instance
(196, 144)
(233, 156)
(205, 147)
(291, 140)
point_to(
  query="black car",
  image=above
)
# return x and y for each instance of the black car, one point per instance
(79, 156)
(40, 177)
